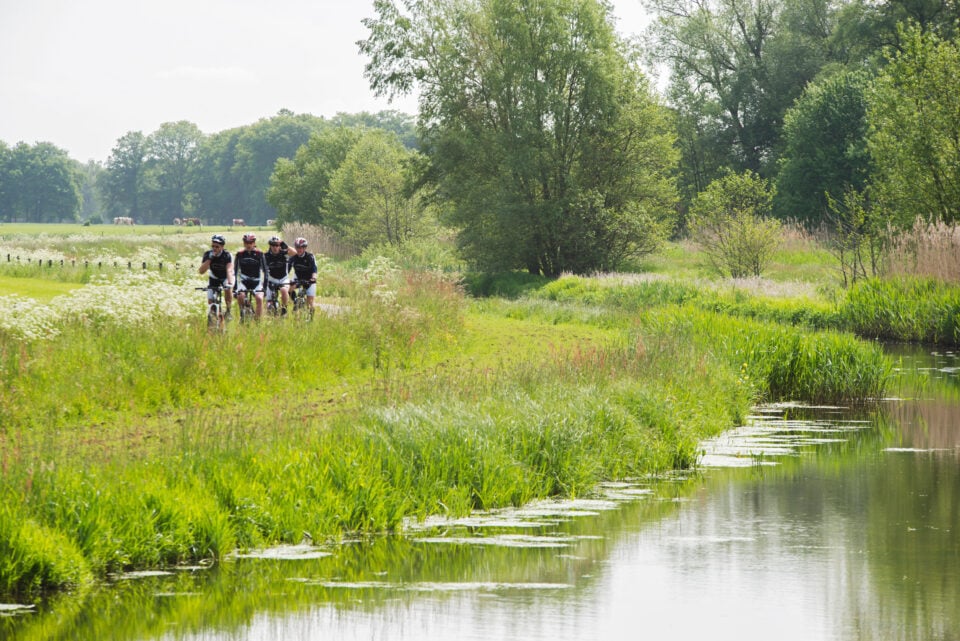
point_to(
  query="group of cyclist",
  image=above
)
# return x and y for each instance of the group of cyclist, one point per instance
(256, 271)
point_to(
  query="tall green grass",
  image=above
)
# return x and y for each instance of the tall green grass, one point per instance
(904, 309)
(156, 444)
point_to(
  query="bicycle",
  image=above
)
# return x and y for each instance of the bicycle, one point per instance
(298, 292)
(216, 319)
(245, 302)
(274, 307)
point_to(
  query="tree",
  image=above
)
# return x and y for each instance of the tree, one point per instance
(731, 221)
(6, 183)
(40, 184)
(173, 152)
(298, 187)
(737, 65)
(825, 151)
(542, 133)
(121, 186)
(914, 138)
(92, 205)
(368, 200)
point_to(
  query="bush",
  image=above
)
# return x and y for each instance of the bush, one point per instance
(730, 220)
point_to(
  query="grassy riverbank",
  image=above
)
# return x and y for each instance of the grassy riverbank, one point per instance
(135, 440)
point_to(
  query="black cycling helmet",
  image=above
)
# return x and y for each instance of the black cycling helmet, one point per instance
(300, 242)
(218, 239)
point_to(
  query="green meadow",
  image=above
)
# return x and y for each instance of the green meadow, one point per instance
(133, 438)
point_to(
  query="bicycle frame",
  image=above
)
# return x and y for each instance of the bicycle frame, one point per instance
(216, 319)
(298, 294)
(274, 301)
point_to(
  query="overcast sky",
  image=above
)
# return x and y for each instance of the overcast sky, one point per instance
(82, 73)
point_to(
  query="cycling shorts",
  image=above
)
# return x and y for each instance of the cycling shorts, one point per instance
(279, 282)
(248, 285)
(312, 290)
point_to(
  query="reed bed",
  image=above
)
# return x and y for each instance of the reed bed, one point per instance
(927, 250)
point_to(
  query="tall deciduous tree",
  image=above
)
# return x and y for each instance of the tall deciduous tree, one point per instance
(40, 184)
(825, 152)
(173, 151)
(736, 66)
(122, 184)
(298, 187)
(542, 132)
(914, 139)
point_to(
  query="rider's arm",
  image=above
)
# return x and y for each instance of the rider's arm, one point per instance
(205, 265)
(230, 278)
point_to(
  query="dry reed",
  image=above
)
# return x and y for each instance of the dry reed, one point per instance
(928, 249)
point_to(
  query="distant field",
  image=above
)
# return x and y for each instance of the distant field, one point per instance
(67, 229)
(40, 289)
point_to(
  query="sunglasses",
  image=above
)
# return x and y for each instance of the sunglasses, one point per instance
(216, 245)
(274, 244)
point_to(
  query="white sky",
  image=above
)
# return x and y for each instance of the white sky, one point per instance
(82, 73)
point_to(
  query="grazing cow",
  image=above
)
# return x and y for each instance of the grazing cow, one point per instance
(238, 222)
(191, 222)
(122, 220)
(177, 222)
(271, 222)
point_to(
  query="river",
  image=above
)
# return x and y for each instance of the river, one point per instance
(809, 524)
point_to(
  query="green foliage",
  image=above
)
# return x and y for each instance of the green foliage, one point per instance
(908, 309)
(861, 234)
(914, 141)
(34, 557)
(730, 220)
(298, 187)
(542, 133)
(235, 166)
(38, 183)
(825, 147)
(172, 153)
(736, 67)
(123, 183)
(368, 200)
(505, 284)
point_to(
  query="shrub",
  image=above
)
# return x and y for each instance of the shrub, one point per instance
(730, 220)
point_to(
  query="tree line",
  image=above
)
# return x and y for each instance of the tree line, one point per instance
(176, 171)
(542, 144)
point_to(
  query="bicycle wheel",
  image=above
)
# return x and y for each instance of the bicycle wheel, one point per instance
(246, 311)
(215, 319)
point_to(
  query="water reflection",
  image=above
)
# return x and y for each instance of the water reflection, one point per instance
(826, 523)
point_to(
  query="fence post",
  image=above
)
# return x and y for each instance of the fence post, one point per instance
(160, 267)
(144, 265)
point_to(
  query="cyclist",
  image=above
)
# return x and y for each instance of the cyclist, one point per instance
(251, 270)
(277, 270)
(305, 267)
(220, 264)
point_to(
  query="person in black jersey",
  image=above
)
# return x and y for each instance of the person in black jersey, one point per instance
(251, 268)
(220, 264)
(305, 267)
(277, 270)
